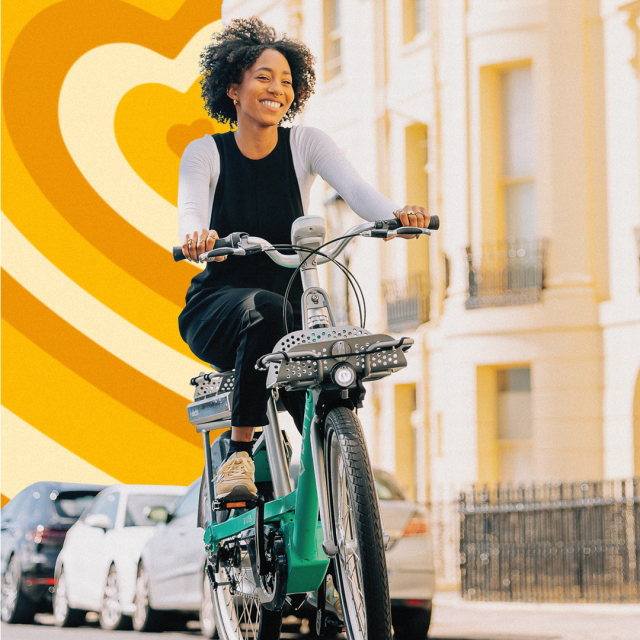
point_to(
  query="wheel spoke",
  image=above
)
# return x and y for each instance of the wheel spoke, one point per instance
(239, 605)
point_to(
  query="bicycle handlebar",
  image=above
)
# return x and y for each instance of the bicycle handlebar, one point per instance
(241, 244)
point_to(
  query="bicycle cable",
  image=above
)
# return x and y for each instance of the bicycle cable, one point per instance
(355, 285)
(362, 306)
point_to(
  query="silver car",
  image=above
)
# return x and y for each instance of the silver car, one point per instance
(171, 576)
(412, 576)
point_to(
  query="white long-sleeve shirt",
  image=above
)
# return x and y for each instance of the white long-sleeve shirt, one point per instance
(314, 154)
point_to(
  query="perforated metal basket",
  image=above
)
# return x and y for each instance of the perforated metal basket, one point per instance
(309, 356)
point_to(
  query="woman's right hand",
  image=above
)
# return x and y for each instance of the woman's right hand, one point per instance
(197, 243)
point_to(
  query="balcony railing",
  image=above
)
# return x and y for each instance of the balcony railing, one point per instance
(506, 272)
(407, 302)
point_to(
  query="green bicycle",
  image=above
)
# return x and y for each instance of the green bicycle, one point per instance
(262, 555)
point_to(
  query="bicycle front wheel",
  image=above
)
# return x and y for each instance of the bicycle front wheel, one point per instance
(360, 566)
(237, 610)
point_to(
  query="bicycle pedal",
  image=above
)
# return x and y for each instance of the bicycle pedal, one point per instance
(223, 505)
(330, 621)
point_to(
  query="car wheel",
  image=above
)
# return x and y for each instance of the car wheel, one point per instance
(207, 621)
(63, 614)
(17, 607)
(145, 618)
(410, 623)
(111, 616)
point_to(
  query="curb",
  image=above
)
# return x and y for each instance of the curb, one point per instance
(455, 600)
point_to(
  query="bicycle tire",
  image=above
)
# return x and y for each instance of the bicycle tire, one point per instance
(240, 616)
(361, 565)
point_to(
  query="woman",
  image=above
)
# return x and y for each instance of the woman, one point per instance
(255, 179)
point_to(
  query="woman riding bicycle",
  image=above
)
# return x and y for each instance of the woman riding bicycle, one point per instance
(255, 179)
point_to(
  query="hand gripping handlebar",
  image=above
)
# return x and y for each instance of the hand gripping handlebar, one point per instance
(241, 243)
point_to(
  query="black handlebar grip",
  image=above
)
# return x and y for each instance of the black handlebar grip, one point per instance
(230, 241)
(395, 223)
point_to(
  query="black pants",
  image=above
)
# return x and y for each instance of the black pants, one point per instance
(231, 328)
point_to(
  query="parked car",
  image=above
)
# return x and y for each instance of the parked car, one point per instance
(34, 525)
(171, 575)
(410, 564)
(96, 569)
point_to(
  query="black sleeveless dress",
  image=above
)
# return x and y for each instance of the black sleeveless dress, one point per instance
(233, 312)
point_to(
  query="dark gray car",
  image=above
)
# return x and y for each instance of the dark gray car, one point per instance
(34, 525)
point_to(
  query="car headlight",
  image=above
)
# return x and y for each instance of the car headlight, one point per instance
(343, 375)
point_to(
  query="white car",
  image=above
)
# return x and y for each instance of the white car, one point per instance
(96, 569)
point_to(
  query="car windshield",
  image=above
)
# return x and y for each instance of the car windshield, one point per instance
(139, 506)
(71, 504)
(387, 487)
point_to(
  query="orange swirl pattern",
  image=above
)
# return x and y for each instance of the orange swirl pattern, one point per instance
(99, 100)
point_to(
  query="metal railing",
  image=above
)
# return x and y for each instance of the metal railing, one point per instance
(407, 301)
(577, 542)
(506, 272)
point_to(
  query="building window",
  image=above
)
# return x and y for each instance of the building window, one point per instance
(406, 445)
(517, 129)
(407, 302)
(407, 298)
(416, 138)
(514, 425)
(505, 425)
(507, 267)
(332, 48)
(416, 18)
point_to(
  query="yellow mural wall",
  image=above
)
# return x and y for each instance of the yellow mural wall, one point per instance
(99, 101)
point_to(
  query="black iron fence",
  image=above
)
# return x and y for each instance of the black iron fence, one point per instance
(577, 542)
(407, 302)
(506, 272)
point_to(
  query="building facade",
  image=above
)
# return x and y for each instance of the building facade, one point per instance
(518, 123)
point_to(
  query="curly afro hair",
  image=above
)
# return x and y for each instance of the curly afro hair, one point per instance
(234, 50)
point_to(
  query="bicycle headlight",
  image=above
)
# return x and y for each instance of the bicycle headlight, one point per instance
(343, 375)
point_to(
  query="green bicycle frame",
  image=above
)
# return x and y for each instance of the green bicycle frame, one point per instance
(297, 514)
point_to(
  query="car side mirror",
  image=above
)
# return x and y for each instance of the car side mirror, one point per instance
(159, 514)
(99, 521)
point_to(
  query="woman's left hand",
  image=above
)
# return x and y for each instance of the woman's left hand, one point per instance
(412, 216)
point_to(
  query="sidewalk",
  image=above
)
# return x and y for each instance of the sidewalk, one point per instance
(454, 618)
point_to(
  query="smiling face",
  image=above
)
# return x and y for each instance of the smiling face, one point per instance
(266, 91)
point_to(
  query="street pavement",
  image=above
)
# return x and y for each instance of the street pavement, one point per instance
(453, 619)
(457, 619)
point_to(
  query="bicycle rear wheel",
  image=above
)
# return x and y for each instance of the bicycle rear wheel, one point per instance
(360, 566)
(237, 610)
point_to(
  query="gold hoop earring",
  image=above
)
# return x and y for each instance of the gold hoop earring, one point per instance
(235, 102)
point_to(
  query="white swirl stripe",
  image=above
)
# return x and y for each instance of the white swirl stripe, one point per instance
(29, 456)
(89, 98)
(92, 318)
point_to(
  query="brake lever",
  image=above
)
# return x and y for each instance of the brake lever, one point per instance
(209, 256)
(392, 233)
